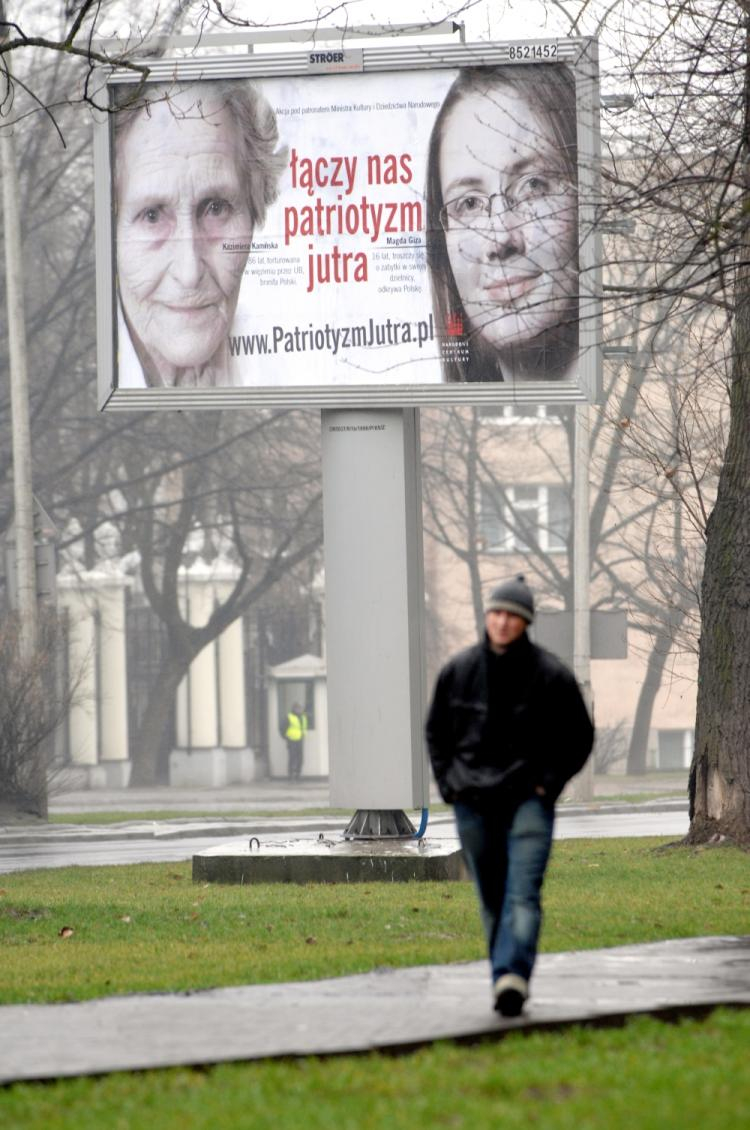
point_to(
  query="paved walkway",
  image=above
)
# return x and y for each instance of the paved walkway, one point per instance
(387, 1009)
(280, 795)
(266, 795)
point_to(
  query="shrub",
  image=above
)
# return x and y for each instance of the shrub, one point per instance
(33, 702)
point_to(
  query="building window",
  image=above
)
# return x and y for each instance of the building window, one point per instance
(516, 519)
(674, 749)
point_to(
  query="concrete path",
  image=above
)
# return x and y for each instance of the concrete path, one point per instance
(387, 1009)
(266, 795)
(280, 795)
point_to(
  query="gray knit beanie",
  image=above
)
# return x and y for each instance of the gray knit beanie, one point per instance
(513, 596)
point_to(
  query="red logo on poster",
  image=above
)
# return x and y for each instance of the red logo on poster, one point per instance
(454, 325)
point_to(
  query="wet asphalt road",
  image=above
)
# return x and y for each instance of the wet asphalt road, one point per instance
(22, 852)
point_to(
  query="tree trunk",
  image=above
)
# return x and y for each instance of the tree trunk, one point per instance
(666, 634)
(161, 703)
(644, 710)
(720, 772)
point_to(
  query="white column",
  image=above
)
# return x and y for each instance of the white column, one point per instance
(232, 687)
(113, 674)
(197, 699)
(97, 661)
(211, 728)
(76, 597)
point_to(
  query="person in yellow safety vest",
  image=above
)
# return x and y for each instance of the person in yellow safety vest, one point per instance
(295, 737)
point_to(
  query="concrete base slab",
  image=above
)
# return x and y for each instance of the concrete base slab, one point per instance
(328, 859)
(391, 1009)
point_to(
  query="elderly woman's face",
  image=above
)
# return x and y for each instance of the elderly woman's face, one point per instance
(180, 205)
(509, 218)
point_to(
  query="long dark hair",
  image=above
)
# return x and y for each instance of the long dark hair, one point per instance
(549, 90)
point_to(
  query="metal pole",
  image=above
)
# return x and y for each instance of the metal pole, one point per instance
(584, 782)
(23, 498)
(19, 396)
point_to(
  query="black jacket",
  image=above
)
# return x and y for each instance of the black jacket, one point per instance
(542, 736)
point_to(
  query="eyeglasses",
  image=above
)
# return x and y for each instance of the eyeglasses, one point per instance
(532, 196)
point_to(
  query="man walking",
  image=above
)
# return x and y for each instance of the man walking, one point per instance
(506, 729)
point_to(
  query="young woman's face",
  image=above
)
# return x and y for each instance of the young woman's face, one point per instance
(509, 217)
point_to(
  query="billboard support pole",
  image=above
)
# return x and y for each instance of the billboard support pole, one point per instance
(374, 616)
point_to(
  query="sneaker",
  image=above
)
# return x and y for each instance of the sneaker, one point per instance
(511, 992)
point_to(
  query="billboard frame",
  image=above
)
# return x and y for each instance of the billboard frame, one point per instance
(580, 55)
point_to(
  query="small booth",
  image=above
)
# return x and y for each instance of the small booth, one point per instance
(303, 681)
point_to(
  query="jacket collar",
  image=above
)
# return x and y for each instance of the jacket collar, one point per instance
(520, 647)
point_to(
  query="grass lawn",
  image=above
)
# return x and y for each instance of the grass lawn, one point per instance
(645, 1076)
(125, 816)
(148, 928)
(159, 814)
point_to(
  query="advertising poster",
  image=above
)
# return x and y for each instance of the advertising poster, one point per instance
(416, 229)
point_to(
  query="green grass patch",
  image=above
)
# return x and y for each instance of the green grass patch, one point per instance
(647, 1075)
(149, 927)
(158, 814)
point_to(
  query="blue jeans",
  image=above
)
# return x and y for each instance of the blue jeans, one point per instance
(507, 856)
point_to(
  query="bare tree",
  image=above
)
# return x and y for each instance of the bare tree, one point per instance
(471, 467)
(258, 488)
(481, 477)
(689, 191)
(687, 66)
(34, 700)
(691, 121)
(256, 476)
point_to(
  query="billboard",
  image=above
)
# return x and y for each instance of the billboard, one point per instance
(397, 226)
